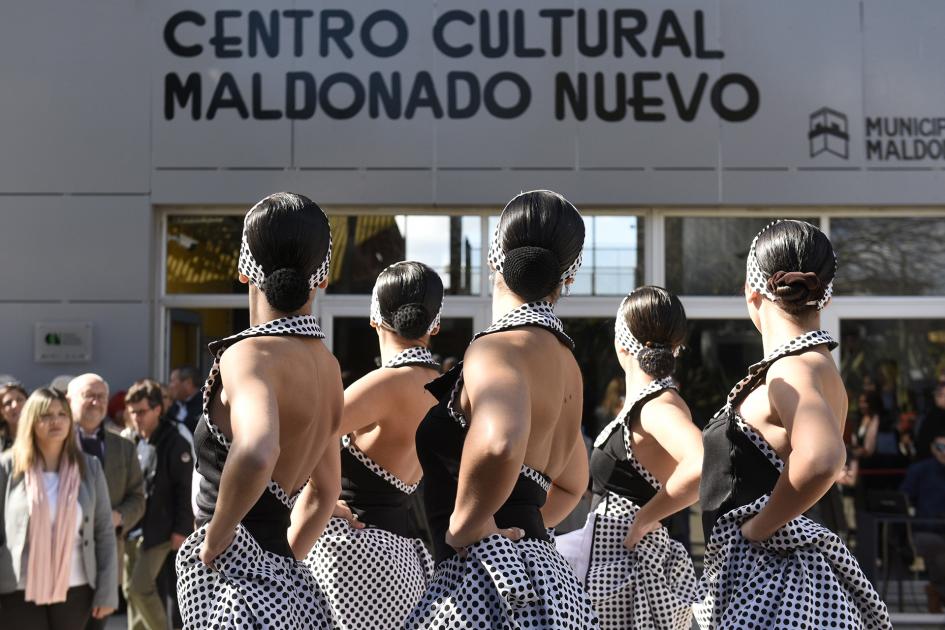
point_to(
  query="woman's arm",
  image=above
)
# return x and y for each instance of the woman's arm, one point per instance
(671, 426)
(817, 452)
(568, 487)
(254, 448)
(315, 505)
(105, 599)
(495, 443)
(869, 440)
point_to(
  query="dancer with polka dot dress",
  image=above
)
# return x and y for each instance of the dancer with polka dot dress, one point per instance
(645, 466)
(773, 450)
(372, 565)
(265, 456)
(505, 430)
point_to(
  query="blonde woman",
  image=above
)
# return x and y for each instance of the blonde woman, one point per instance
(57, 555)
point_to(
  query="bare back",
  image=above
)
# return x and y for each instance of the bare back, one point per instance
(383, 410)
(303, 381)
(545, 373)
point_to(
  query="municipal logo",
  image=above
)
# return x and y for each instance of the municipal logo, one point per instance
(828, 133)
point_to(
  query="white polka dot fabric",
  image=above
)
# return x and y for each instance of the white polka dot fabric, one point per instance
(653, 586)
(378, 319)
(504, 585)
(376, 468)
(803, 576)
(248, 588)
(412, 356)
(371, 577)
(623, 336)
(623, 422)
(649, 588)
(758, 280)
(497, 254)
(248, 266)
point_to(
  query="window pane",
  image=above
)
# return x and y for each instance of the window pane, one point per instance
(202, 252)
(192, 329)
(613, 255)
(355, 345)
(449, 244)
(706, 255)
(902, 358)
(718, 353)
(891, 256)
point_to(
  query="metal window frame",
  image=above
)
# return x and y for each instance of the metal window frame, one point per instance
(478, 307)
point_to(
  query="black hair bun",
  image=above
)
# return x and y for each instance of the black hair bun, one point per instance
(286, 289)
(657, 361)
(531, 272)
(411, 321)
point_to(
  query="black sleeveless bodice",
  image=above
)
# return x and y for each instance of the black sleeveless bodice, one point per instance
(268, 519)
(376, 495)
(442, 433)
(739, 466)
(614, 468)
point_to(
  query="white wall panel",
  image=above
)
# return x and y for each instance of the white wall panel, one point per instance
(75, 248)
(74, 110)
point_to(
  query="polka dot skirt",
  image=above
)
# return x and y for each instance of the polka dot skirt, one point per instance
(371, 577)
(801, 577)
(247, 588)
(649, 588)
(505, 585)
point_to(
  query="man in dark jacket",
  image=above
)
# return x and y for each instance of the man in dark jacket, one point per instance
(167, 464)
(184, 386)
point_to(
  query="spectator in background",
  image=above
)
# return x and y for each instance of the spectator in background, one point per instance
(87, 395)
(57, 558)
(931, 425)
(116, 412)
(184, 386)
(925, 487)
(863, 440)
(167, 465)
(12, 397)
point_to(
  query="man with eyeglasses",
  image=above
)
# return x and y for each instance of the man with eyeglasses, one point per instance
(88, 398)
(925, 486)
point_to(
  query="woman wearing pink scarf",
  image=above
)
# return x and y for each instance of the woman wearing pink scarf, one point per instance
(57, 544)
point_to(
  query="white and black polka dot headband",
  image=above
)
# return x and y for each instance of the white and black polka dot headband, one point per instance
(758, 281)
(248, 266)
(378, 320)
(623, 336)
(625, 339)
(497, 254)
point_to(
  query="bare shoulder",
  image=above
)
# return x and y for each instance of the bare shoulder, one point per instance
(668, 405)
(807, 369)
(492, 351)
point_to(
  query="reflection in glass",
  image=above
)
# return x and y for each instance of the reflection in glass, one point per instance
(891, 256)
(366, 244)
(706, 255)
(901, 358)
(192, 329)
(355, 344)
(717, 355)
(613, 255)
(202, 252)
